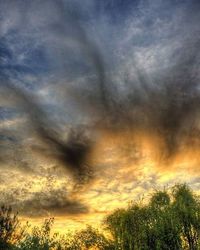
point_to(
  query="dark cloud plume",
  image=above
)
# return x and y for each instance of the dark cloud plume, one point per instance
(44, 205)
(71, 153)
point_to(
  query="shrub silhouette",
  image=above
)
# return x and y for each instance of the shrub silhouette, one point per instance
(40, 238)
(89, 238)
(11, 231)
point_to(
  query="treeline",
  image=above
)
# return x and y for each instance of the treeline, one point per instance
(170, 220)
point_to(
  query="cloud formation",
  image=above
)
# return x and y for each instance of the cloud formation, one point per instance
(76, 91)
(55, 203)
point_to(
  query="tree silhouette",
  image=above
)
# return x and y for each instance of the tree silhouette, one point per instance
(167, 222)
(187, 209)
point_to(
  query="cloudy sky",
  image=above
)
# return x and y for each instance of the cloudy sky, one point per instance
(99, 104)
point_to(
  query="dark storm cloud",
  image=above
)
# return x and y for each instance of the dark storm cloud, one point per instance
(167, 106)
(44, 203)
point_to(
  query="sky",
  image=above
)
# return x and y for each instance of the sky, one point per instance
(99, 105)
